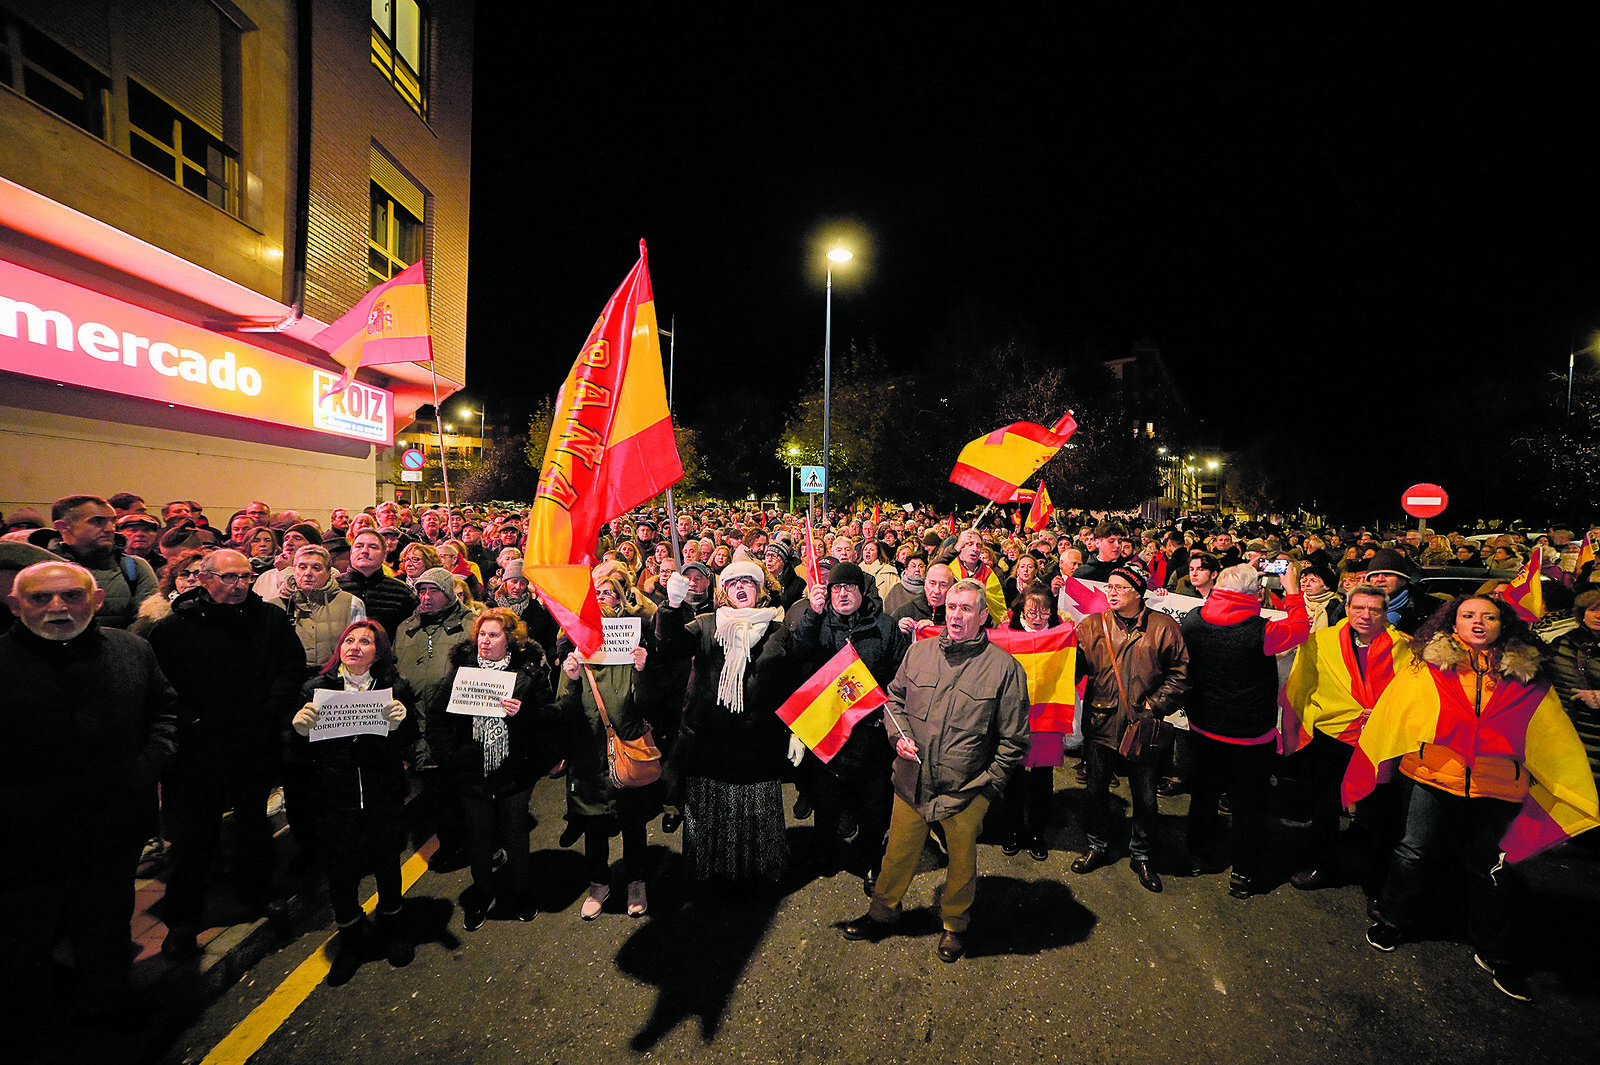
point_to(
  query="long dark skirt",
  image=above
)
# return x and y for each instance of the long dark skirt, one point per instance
(733, 830)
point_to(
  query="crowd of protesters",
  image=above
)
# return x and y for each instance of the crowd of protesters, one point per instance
(243, 621)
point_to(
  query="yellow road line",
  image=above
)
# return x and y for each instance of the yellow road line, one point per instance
(252, 1032)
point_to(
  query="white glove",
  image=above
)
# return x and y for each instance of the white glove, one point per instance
(305, 718)
(677, 588)
(394, 712)
(797, 750)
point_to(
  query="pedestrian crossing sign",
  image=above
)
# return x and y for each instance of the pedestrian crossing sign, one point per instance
(812, 479)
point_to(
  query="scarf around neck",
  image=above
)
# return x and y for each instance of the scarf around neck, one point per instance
(490, 732)
(738, 631)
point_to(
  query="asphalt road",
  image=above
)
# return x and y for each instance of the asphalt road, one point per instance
(1061, 968)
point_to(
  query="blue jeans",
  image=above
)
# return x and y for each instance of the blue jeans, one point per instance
(1438, 823)
(1102, 762)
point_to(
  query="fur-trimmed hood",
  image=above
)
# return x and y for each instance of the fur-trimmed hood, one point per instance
(1517, 660)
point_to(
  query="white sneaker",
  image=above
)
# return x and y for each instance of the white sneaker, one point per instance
(598, 893)
(637, 903)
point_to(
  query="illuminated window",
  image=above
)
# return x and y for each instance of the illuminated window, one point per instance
(399, 47)
(394, 239)
(52, 77)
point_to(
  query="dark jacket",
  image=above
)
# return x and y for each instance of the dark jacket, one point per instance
(388, 600)
(713, 741)
(1154, 662)
(589, 789)
(238, 668)
(531, 731)
(1233, 668)
(355, 772)
(91, 725)
(965, 706)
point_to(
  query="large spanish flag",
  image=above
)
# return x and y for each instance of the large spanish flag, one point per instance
(1426, 705)
(1525, 593)
(994, 466)
(826, 707)
(387, 325)
(1042, 513)
(1050, 659)
(1329, 692)
(611, 448)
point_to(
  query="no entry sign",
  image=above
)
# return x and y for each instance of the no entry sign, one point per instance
(1424, 500)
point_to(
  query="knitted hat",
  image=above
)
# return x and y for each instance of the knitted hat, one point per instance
(1385, 560)
(441, 579)
(1134, 575)
(312, 534)
(847, 573)
(747, 570)
(698, 567)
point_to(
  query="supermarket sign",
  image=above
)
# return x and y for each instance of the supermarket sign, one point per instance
(62, 332)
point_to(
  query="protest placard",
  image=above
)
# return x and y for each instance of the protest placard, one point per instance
(350, 713)
(621, 637)
(479, 691)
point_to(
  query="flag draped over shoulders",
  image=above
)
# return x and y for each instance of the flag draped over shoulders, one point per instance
(995, 465)
(1525, 722)
(611, 448)
(1327, 690)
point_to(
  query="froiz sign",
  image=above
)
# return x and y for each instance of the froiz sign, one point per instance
(62, 332)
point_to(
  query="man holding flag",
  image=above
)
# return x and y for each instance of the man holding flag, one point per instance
(959, 709)
(842, 615)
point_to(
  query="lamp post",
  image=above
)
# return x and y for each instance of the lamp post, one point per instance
(794, 453)
(467, 412)
(837, 255)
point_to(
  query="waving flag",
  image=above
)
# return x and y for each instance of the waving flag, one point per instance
(611, 448)
(826, 707)
(813, 560)
(387, 325)
(994, 466)
(1042, 513)
(1425, 705)
(1525, 593)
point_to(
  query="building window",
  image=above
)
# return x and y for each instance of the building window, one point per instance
(399, 45)
(52, 77)
(173, 145)
(394, 240)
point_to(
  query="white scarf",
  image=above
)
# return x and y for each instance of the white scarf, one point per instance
(737, 632)
(491, 731)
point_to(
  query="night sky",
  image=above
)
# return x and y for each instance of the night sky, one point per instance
(1300, 213)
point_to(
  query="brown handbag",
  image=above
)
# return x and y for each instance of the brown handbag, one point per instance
(633, 763)
(1144, 739)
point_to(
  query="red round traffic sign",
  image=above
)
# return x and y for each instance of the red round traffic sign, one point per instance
(412, 458)
(1424, 500)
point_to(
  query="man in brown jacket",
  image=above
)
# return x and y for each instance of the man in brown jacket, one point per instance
(958, 709)
(1135, 665)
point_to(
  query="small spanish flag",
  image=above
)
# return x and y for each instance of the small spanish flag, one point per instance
(813, 560)
(1525, 593)
(1050, 659)
(994, 466)
(827, 706)
(1042, 513)
(387, 325)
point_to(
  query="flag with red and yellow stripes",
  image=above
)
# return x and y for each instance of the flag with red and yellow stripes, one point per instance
(826, 707)
(1050, 659)
(1525, 593)
(611, 448)
(994, 466)
(1042, 513)
(387, 325)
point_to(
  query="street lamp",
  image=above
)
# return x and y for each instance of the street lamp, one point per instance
(467, 412)
(837, 255)
(794, 453)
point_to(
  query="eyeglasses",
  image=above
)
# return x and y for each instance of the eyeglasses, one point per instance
(190, 574)
(226, 578)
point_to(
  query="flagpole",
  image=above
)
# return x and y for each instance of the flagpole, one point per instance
(438, 426)
(672, 511)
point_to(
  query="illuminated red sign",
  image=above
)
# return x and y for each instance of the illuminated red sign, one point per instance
(58, 331)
